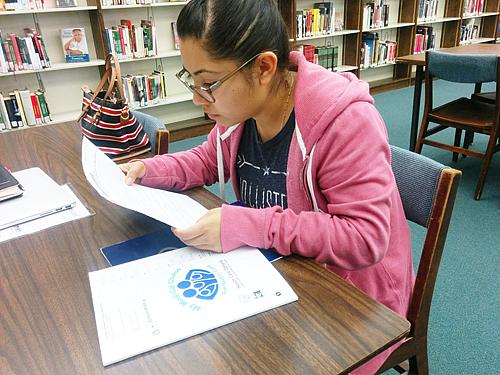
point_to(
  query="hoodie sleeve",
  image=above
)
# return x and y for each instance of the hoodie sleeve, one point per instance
(353, 174)
(184, 170)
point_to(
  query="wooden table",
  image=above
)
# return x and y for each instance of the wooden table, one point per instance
(418, 59)
(47, 322)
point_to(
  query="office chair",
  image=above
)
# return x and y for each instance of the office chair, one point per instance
(473, 116)
(428, 190)
(158, 135)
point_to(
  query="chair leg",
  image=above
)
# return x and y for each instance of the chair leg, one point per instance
(423, 130)
(468, 140)
(485, 166)
(458, 138)
(419, 364)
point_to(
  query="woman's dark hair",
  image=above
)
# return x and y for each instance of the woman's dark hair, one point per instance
(236, 29)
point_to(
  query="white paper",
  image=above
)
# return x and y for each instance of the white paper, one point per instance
(42, 196)
(176, 210)
(77, 212)
(147, 303)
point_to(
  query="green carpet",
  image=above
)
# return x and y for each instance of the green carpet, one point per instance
(464, 323)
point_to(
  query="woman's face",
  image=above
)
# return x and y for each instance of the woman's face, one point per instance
(235, 99)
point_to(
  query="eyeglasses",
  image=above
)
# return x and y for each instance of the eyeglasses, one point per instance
(206, 90)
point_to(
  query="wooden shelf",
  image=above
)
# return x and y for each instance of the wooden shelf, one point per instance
(331, 35)
(437, 20)
(153, 5)
(480, 15)
(54, 67)
(345, 68)
(477, 41)
(393, 26)
(49, 10)
(189, 128)
(161, 55)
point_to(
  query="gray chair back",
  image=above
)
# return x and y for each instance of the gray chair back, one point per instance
(417, 178)
(150, 125)
(462, 68)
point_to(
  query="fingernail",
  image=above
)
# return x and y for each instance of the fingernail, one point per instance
(129, 180)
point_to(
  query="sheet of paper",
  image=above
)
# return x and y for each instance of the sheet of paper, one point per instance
(42, 196)
(105, 176)
(77, 212)
(154, 301)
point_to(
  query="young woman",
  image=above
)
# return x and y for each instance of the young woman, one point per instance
(305, 149)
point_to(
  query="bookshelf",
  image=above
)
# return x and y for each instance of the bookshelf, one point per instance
(404, 18)
(62, 82)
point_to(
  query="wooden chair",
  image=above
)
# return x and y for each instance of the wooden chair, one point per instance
(428, 190)
(473, 116)
(158, 135)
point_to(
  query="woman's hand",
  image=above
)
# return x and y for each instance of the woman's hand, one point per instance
(133, 170)
(205, 234)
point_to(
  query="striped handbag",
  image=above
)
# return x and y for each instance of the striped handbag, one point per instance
(106, 120)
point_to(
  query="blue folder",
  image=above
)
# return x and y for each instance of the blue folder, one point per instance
(151, 244)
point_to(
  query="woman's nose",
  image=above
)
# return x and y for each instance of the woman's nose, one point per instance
(198, 99)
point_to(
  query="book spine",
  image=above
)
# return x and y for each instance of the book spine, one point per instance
(43, 106)
(5, 114)
(17, 53)
(20, 106)
(36, 109)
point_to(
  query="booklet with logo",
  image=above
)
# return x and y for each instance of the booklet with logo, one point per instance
(153, 243)
(154, 301)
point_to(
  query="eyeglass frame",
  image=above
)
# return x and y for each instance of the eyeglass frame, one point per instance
(213, 86)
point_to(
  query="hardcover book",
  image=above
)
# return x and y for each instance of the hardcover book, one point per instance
(66, 3)
(75, 45)
(9, 186)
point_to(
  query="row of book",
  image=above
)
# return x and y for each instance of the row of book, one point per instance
(136, 2)
(126, 2)
(375, 14)
(427, 9)
(425, 39)
(23, 5)
(132, 41)
(319, 20)
(145, 90)
(23, 108)
(325, 56)
(473, 7)
(377, 51)
(469, 31)
(23, 53)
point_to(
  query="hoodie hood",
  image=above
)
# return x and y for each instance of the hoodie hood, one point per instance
(313, 118)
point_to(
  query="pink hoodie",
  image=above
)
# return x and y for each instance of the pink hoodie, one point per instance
(339, 166)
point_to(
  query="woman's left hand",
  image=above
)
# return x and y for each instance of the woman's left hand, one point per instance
(205, 234)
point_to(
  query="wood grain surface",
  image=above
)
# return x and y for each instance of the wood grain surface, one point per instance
(47, 322)
(472, 49)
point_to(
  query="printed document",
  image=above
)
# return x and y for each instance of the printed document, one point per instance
(77, 212)
(176, 210)
(154, 301)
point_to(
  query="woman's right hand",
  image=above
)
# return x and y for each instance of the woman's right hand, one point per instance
(133, 170)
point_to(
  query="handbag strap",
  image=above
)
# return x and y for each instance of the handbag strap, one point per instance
(111, 76)
(118, 79)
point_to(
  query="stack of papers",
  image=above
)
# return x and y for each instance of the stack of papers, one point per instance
(42, 196)
(27, 208)
(155, 301)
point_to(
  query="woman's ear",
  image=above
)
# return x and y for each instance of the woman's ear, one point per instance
(267, 63)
